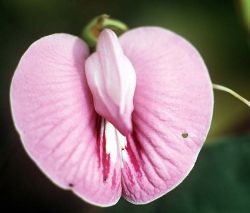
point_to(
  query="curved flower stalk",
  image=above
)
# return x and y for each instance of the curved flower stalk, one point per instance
(128, 120)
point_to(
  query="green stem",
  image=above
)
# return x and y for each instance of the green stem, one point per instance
(233, 93)
(91, 32)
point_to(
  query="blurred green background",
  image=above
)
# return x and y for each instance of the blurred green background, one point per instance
(219, 29)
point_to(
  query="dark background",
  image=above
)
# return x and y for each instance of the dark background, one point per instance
(220, 181)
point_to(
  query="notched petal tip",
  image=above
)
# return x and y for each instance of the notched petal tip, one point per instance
(112, 80)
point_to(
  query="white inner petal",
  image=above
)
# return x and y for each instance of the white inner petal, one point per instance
(111, 141)
(115, 142)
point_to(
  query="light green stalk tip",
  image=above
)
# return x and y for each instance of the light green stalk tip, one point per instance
(92, 30)
(233, 93)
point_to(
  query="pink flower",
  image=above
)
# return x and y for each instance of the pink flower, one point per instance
(128, 120)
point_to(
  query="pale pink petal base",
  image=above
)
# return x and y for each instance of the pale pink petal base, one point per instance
(173, 99)
(54, 115)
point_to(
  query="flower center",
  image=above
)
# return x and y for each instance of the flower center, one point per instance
(112, 80)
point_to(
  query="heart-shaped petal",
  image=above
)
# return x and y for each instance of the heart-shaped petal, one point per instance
(173, 106)
(53, 112)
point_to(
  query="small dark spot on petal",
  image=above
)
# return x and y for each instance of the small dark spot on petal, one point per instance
(71, 185)
(184, 135)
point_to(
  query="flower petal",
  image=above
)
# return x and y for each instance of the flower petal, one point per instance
(55, 117)
(112, 81)
(173, 106)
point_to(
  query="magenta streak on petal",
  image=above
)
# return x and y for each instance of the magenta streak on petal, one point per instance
(133, 138)
(133, 159)
(105, 156)
(98, 138)
(101, 145)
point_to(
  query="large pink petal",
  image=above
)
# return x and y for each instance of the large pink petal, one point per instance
(173, 106)
(54, 115)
